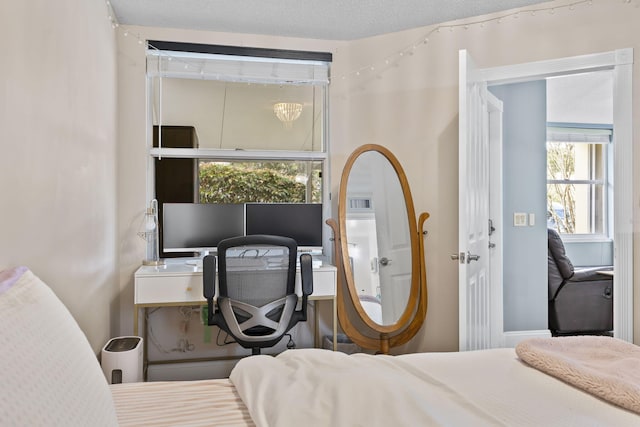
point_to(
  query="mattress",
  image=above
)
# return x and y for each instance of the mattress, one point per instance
(180, 403)
(315, 387)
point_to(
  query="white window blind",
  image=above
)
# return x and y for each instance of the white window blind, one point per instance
(578, 134)
(189, 65)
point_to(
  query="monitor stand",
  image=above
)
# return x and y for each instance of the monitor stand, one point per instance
(194, 262)
(198, 261)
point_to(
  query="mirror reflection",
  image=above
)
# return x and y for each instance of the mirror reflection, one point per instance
(227, 114)
(378, 238)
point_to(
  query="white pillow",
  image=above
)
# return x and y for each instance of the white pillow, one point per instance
(49, 375)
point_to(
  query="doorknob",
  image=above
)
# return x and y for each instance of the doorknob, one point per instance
(462, 257)
(384, 261)
(472, 257)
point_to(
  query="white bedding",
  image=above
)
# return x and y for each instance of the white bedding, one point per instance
(49, 375)
(320, 388)
(179, 403)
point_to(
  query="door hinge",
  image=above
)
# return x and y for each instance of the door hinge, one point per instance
(460, 256)
(491, 227)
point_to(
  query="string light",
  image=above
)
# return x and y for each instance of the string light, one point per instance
(111, 16)
(392, 61)
(113, 19)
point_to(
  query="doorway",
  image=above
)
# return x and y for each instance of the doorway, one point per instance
(620, 63)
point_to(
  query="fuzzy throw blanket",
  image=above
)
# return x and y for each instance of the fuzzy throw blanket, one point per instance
(605, 367)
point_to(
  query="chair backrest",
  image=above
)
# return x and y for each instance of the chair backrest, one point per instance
(256, 278)
(560, 267)
(257, 269)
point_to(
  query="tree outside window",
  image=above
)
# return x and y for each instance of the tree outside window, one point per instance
(576, 186)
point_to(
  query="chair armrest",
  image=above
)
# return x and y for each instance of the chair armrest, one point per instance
(306, 274)
(209, 285)
(209, 276)
(590, 274)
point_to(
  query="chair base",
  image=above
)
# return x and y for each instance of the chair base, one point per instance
(582, 308)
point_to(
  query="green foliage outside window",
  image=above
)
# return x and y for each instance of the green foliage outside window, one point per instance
(235, 183)
(561, 166)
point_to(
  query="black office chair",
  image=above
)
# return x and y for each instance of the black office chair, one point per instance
(257, 299)
(580, 300)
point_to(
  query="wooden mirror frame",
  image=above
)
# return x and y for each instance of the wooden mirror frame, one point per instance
(376, 336)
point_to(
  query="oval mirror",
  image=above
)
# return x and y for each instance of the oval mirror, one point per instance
(379, 240)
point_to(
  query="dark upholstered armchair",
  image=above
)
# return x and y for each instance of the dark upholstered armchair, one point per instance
(580, 300)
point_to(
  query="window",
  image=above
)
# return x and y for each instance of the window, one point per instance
(577, 178)
(284, 181)
(236, 124)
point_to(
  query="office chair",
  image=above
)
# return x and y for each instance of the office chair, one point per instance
(580, 300)
(256, 280)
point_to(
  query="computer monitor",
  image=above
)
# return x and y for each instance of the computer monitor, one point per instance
(199, 227)
(300, 221)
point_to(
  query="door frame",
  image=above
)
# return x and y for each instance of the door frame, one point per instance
(621, 62)
(495, 110)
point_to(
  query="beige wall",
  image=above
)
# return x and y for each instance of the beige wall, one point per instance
(58, 154)
(412, 108)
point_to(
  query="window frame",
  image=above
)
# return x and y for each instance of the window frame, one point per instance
(247, 155)
(587, 129)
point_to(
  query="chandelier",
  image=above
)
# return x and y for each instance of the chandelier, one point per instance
(287, 112)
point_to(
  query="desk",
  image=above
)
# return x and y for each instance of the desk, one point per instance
(178, 284)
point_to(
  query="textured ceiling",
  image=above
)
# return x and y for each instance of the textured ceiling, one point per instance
(316, 19)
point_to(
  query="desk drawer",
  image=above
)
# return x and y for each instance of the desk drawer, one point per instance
(324, 283)
(180, 288)
(168, 289)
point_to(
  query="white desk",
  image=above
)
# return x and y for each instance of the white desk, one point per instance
(179, 284)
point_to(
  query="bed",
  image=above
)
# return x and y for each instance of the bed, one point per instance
(51, 377)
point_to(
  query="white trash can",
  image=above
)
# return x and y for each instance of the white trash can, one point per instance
(122, 360)
(344, 344)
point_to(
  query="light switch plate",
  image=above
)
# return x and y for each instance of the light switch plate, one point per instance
(519, 219)
(532, 219)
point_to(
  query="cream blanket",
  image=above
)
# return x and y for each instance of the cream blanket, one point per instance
(311, 387)
(605, 367)
(314, 387)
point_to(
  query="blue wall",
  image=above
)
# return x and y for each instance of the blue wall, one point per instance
(524, 191)
(583, 254)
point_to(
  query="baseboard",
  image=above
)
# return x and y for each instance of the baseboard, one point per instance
(512, 338)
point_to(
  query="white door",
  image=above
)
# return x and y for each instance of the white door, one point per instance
(473, 238)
